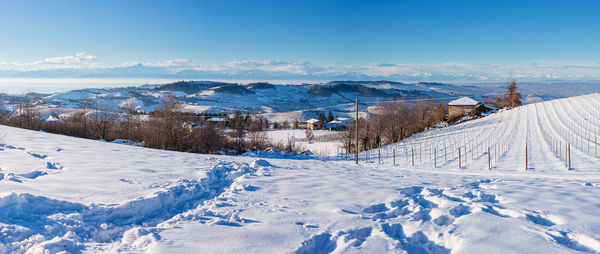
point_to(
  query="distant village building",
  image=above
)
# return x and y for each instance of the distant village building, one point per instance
(462, 106)
(51, 119)
(338, 124)
(217, 119)
(314, 124)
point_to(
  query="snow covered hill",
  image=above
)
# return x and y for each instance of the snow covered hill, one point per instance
(59, 193)
(276, 101)
(289, 102)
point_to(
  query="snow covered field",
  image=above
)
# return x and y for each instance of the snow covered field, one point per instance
(324, 144)
(60, 193)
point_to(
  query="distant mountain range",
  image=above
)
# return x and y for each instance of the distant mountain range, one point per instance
(145, 71)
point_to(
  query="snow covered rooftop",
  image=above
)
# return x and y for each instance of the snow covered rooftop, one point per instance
(217, 119)
(463, 101)
(312, 120)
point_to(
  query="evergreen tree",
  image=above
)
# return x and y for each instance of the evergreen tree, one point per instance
(330, 117)
(322, 117)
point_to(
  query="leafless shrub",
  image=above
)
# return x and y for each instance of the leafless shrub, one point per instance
(258, 140)
(310, 136)
(208, 139)
(292, 145)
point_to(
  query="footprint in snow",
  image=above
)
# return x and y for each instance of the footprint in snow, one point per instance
(53, 165)
(126, 181)
(33, 174)
(37, 155)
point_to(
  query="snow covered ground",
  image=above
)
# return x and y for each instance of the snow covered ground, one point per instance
(59, 193)
(324, 143)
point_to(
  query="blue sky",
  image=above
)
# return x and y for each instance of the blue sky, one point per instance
(213, 34)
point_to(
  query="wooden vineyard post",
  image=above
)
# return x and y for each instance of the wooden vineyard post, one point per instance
(394, 156)
(526, 157)
(466, 154)
(412, 153)
(445, 154)
(569, 149)
(379, 158)
(435, 158)
(459, 159)
(489, 160)
(356, 140)
(566, 153)
(420, 153)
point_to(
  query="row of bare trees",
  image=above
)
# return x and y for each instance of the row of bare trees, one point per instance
(167, 127)
(392, 122)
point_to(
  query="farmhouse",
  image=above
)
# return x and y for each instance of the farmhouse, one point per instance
(338, 124)
(462, 106)
(314, 124)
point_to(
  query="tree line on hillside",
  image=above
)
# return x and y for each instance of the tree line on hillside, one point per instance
(391, 122)
(167, 127)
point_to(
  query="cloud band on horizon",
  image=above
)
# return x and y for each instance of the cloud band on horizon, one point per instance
(86, 65)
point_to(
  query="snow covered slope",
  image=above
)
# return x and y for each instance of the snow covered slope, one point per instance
(276, 101)
(66, 194)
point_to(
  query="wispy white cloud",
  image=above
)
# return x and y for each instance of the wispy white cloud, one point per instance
(80, 60)
(541, 70)
(77, 59)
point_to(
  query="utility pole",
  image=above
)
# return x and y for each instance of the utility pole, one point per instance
(356, 120)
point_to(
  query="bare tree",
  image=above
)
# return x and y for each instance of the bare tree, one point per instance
(310, 136)
(166, 126)
(292, 145)
(102, 118)
(513, 98)
(208, 139)
(27, 114)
